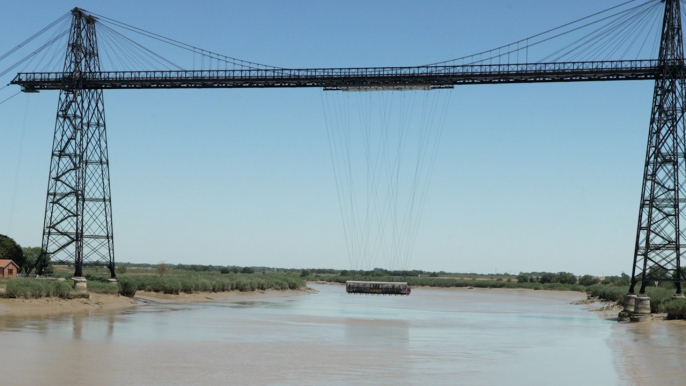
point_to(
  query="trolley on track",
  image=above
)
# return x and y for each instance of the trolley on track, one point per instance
(377, 288)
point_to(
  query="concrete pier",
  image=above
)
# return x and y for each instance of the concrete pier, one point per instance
(629, 308)
(80, 283)
(641, 309)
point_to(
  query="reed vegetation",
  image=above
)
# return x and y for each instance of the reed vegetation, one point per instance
(191, 282)
(100, 287)
(675, 309)
(37, 288)
(610, 293)
(174, 282)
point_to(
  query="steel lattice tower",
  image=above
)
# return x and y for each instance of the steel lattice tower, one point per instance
(78, 210)
(659, 247)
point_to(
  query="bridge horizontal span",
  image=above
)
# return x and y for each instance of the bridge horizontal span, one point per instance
(348, 78)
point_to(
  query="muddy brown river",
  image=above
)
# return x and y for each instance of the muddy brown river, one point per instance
(442, 337)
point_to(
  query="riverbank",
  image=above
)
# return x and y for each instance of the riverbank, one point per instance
(104, 302)
(48, 306)
(209, 297)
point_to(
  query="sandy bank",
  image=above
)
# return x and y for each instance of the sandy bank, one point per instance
(46, 306)
(100, 302)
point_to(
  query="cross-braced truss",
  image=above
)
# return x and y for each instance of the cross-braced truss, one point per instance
(659, 237)
(78, 211)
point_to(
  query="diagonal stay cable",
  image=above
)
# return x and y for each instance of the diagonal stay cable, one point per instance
(7, 99)
(601, 38)
(34, 53)
(526, 40)
(147, 50)
(176, 43)
(34, 36)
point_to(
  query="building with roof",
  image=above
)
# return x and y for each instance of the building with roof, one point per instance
(8, 268)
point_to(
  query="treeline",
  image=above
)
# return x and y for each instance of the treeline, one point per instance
(570, 278)
(25, 258)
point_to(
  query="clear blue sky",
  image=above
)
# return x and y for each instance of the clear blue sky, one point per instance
(528, 177)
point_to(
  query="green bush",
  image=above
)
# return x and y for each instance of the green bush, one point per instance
(659, 297)
(523, 278)
(588, 280)
(676, 309)
(608, 292)
(128, 287)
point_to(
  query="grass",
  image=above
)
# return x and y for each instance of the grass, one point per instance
(180, 281)
(214, 283)
(36, 288)
(99, 287)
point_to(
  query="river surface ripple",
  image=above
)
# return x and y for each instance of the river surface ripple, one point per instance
(446, 337)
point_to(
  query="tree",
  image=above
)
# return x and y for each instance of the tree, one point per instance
(522, 278)
(304, 273)
(247, 270)
(121, 269)
(224, 271)
(31, 255)
(345, 273)
(588, 280)
(548, 278)
(566, 278)
(10, 250)
(624, 279)
(162, 269)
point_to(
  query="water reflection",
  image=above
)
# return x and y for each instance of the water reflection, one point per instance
(649, 353)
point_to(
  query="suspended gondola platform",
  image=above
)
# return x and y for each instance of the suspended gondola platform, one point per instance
(377, 288)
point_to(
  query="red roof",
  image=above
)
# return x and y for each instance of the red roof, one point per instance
(5, 263)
